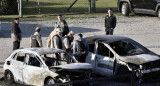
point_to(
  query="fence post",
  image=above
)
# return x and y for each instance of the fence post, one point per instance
(94, 6)
(20, 8)
(89, 6)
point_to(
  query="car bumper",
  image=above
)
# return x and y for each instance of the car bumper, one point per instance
(150, 70)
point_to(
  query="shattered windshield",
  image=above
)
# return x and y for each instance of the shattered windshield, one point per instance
(57, 59)
(127, 48)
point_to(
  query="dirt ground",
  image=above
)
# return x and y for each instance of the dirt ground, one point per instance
(145, 30)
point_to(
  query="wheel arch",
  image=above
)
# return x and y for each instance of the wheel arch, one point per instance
(157, 8)
(7, 70)
(119, 68)
(120, 5)
(45, 80)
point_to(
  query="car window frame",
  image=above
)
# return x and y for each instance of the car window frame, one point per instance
(107, 46)
(37, 58)
(16, 55)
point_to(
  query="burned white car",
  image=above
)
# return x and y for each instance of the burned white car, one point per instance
(39, 66)
(113, 55)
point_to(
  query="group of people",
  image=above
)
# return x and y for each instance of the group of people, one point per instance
(60, 38)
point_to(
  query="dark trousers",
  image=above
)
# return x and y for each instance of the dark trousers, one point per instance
(16, 45)
(109, 31)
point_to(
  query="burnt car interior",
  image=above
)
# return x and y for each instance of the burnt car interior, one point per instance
(91, 47)
(104, 51)
(56, 59)
(124, 48)
(34, 61)
(49, 59)
(20, 57)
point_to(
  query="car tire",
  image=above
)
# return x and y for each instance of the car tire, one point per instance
(8, 77)
(158, 13)
(125, 9)
(50, 81)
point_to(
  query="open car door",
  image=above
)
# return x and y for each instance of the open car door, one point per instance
(104, 59)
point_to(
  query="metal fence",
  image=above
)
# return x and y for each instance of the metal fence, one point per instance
(33, 7)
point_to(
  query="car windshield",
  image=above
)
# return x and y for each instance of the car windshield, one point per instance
(58, 59)
(128, 48)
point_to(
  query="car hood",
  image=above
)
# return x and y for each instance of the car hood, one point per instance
(140, 59)
(75, 66)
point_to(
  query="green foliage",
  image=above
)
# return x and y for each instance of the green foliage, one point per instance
(61, 6)
(48, 9)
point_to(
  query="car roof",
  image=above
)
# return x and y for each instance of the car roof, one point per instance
(105, 38)
(43, 50)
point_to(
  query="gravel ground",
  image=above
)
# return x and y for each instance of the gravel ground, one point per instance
(145, 30)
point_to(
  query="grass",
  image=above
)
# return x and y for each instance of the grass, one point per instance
(48, 9)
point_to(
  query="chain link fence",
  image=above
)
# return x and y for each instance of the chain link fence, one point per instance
(34, 7)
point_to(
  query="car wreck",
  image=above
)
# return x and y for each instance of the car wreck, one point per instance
(43, 66)
(114, 55)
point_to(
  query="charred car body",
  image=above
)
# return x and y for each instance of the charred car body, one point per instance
(34, 66)
(113, 55)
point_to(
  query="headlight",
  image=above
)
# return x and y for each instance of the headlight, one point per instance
(140, 66)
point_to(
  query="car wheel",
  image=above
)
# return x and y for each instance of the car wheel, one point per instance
(158, 13)
(50, 81)
(8, 77)
(125, 9)
(64, 80)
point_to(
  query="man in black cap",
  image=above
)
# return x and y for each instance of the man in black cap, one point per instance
(110, 22)
(16, 34)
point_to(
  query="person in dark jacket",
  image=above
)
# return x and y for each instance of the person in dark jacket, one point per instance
(77, 48)
(35, 40)
(65, 29)
(16, 34)
(63, 25)
(110, 22)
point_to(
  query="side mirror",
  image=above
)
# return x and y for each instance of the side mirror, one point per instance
(8, 62)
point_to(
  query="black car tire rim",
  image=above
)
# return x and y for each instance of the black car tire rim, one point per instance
(9, 78)
(50, 81)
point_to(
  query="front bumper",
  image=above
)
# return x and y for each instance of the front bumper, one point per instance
(150, 70)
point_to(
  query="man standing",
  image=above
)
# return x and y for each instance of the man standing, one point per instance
(35, 40)
(68, 39)
(80, 48)
(67, 45)
(57, 40)
(63, 25)
(49, 41)
(16, 34)
(110, 22)
(57, 43)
